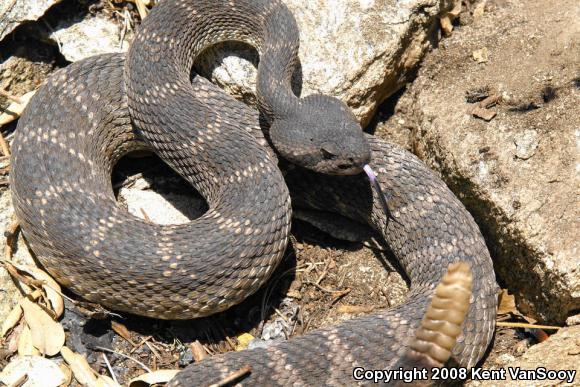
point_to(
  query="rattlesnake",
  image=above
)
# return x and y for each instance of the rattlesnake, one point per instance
(79, 124)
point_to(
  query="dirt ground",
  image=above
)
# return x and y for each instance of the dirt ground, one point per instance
(322, 280)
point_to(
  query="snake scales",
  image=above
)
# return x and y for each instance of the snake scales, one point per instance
(93, 112)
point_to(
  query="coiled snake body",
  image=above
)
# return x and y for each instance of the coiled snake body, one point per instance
(80, 123)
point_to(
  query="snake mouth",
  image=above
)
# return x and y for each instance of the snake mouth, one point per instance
(336, 165)
(340, 169)
(349, 169)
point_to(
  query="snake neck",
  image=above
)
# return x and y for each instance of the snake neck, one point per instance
(278, 61)
(197, 25)
(317, 132)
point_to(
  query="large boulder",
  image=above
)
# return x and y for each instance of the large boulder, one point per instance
(359, 51)
(517, 171)
(561, 352)
(16, 12)
(90, 35)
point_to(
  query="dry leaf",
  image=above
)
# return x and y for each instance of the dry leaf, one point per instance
(52, 290)
(47, 334)
(105, 381)
(540, 335)
(507, 303)
(122, 331)
(91, 310)
(50, 286)
(15, 109)
(25, 346)
(41, 372)
(67, 373)
(11, 342)
(150, 378)
(243, 341)
(83, 373)
(11, 320)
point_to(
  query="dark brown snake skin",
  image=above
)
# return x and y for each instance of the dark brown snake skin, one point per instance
(79, 124)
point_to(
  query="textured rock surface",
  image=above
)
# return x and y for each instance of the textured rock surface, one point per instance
(15, 12)
(359, 51)
(90, 36)
(560, 352)
(518, 173)
(23, 72)
(9, 293)
(168, 208)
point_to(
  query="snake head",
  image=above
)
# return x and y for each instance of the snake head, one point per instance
(321, 133)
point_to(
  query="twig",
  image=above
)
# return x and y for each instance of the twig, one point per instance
(141, 9)
(270, 290)
(324, 272)
(230, 341)
(277, 311)
(126, 25)
(10, 239)
(13, 270)
(525, 325)
(15, 273)
(125, 356)
(152, 349)
(145, 216)
(137, 346)
(20, 381)
(128, 181)
(110, 368)
(325, 289)
(4, 146)
(233, 376)
(339, 295)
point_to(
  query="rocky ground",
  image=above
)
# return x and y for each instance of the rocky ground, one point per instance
(493, 108)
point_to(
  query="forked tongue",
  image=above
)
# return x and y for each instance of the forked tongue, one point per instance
(375, 183)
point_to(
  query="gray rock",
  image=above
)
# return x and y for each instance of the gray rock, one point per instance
(168, 208)
(15, 12)
(9, 293)
(275, 330)
(359, 51)
(23, 72)
(573, 320)
(90, 36)
(518, 173)
(560, 352)
(257, 343)
(526, 144)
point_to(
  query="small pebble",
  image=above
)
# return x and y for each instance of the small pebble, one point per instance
(185, 358)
